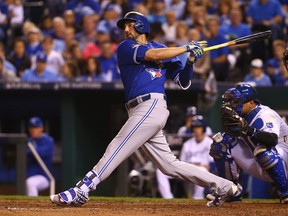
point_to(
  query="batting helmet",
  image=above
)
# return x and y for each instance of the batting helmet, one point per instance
(142, 24)
(248, 92)
(233, 99)
(285, 58)
(198, 121)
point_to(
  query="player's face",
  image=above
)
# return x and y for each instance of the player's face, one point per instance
(130, 32)
(247, 107)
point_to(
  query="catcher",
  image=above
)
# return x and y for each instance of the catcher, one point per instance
(255, 139)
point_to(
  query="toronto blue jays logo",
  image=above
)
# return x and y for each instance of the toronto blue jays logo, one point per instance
(154, 72)
(269, 124)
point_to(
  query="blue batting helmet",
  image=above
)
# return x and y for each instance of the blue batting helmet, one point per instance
(142, 24)
(233, 99)
(248, 92)
(198, 121)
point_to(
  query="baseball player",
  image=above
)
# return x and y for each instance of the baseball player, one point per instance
(255, 139)
(37, 180)
(143, 67)
(194, 151)
(185, 130)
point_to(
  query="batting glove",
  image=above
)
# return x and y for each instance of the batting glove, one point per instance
(196, 50)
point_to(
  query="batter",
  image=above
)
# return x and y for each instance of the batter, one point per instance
(144, 66)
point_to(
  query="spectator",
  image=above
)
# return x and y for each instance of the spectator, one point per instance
(195, 151)
(282, 76)
(264, 15)
(93, 70)
(82, 8)
(74, 53)
(33, 41)
(169, 27)
(19, 58)
(88, 34)
(181, 38)
(69, 72)
(199, 17)
(111, 14)
(46, 25)
(4, 20)
(223, 10)
(178, 6)
(55, 59)
(188, 12)
(40, 73)
(273, 65)
(6, 75)
(70, 20)
(240, 54)
(58, 33)
(37, 180)
(16, 16)
(108, 61)
(203, 66)
(257, 77)
(157, 12)
(7, 64)
(219, 61)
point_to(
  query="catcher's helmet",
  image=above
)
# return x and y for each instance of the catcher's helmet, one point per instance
(142, 24)
(248, 92)
(285, 58)
(198, 121)
(191, 111)
(233, 99)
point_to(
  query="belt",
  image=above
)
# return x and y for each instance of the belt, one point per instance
(134, 102)
(283, 139)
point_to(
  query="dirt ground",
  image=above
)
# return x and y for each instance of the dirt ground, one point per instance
(140, 208)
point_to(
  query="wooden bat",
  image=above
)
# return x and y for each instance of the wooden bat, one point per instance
(242, 40)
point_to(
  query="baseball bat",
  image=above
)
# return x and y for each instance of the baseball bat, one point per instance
(242, 40)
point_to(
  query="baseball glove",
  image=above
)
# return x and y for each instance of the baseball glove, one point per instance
(232, 123)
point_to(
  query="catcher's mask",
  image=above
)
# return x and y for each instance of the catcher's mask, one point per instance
(233, 99)
(198, 121)
(285, 58)
(248, 92)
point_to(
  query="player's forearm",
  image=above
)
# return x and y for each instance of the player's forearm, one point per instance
(164, 53)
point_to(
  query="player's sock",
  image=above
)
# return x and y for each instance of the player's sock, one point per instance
(89, 182)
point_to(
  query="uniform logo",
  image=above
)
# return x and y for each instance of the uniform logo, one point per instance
(269, 125)
(154, 73)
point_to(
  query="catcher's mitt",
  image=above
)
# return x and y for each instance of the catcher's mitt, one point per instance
(232, 123)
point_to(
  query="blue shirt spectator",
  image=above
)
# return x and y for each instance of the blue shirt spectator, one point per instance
(39, 74)
(257, 77)
(219, 62)
(108, 61)
(82, 8)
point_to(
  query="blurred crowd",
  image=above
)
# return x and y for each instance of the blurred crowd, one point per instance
(76, 40)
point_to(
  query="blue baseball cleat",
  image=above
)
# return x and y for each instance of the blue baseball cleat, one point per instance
(72, 197)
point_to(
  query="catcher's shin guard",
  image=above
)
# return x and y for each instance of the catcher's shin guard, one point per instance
(220, 151)
(273, 164)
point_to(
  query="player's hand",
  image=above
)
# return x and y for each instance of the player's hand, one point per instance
(196, 50)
